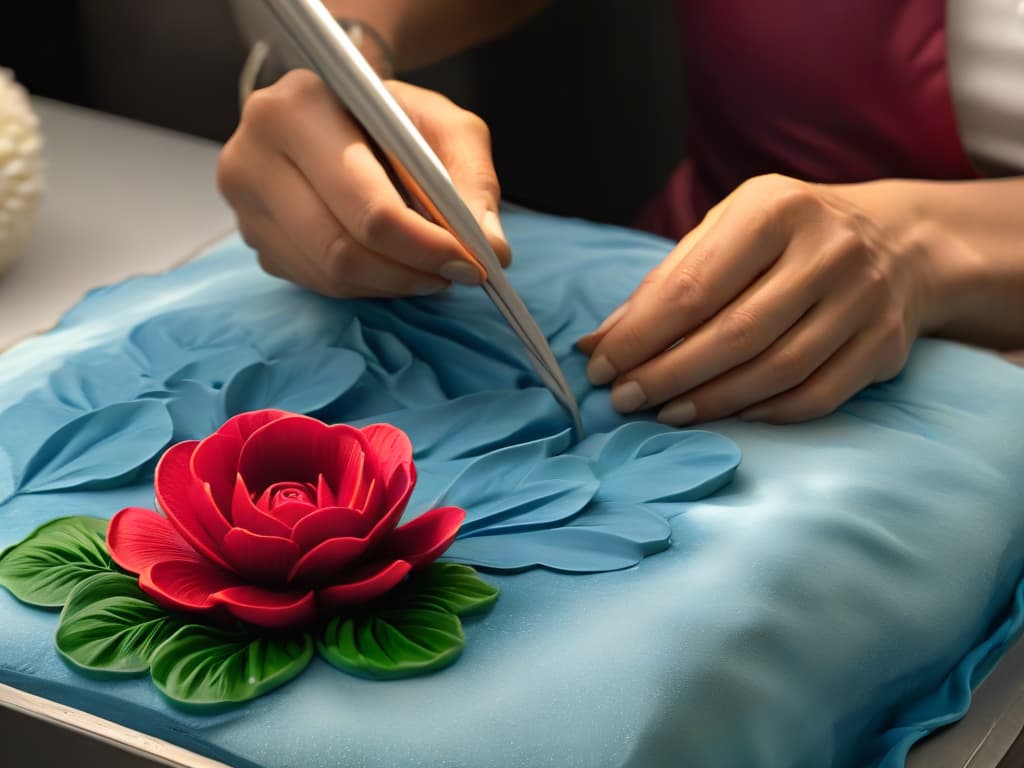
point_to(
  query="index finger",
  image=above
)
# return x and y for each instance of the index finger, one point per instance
(334, 154)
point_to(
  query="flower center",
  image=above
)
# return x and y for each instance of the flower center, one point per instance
(283, 497)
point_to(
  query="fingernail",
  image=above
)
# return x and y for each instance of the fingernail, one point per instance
(493, 226)
(460, 272)
(611, 320)
(678, 414)
(628, 396)
(755, 414)
(600, 370)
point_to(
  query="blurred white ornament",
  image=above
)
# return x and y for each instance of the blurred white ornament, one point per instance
(21, 167)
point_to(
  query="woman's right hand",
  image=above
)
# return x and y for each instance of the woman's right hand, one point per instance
(319, 208)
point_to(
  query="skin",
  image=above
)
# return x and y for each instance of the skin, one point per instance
(783, 303)
(790, 297)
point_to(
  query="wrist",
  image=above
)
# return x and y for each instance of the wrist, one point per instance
(944, 271)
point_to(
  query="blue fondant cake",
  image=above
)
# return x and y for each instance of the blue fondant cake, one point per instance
(829, 602)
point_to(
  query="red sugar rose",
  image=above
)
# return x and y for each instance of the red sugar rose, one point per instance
(276, 514)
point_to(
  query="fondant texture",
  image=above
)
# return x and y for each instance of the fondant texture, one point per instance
(831, 604)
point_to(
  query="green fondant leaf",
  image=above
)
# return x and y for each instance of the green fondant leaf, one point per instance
(448, 587)
(44, 568)
(203, 667)
(389, 643)
(110, 627)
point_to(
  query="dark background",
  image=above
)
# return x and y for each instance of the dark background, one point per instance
(583, 101)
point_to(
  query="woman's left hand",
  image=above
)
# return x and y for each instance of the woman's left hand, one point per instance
(786, 301)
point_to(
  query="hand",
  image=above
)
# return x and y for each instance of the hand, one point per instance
(318, 206)
(783, 303)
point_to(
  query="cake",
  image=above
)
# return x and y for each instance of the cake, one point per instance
(828, 601)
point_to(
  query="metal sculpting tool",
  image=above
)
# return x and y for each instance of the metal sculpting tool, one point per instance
(329, 51)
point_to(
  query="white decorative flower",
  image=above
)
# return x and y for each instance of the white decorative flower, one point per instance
(21, 167)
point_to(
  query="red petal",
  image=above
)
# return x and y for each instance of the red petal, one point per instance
(268, 559)
(188, 504)
(355, 474)
(390, 446)
(291, 512)
(376, 580)
(137, 538)
(329, 523)
(386, 524)
(267, 608)
(215, 459)
(247, 515)
(295, 449)
(424, 539)
(240, 427)
(186, 585)
(325, 496)
(215, 462)
(326, 560)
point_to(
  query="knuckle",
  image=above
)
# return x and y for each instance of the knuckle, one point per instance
(684, 289)
(873, 280)
(263, 107)
(739, 330)
(337, 260)
(475, 124)
(787, 366)
(229, 169)
(796, 197)
(375, 222)
(298, 86)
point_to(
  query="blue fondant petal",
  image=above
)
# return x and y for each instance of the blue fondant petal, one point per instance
(303, 382)
(196, 409)
(84, 382)
(633, 522)
(168, 342)
(34, 419)
(475, 424)
(644, 461)
(573, 550)
(98, 449)
(497, 486)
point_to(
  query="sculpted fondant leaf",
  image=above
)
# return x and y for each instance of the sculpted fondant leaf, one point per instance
(476, 424)
(447, 587)
(644, 461)
(520, 488)
(165, 344)
(84, 382)
(570, 549)
(99, 448)
(44, 568)
(201, 666)
(196, 409)
(110, 627)
(304, 382)
(391, 642)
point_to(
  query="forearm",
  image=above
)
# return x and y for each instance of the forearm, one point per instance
(972, 235)
(421, 32)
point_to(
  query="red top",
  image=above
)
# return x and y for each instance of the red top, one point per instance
(821, 90)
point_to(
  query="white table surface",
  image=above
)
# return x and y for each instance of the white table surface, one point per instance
(124, 198)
